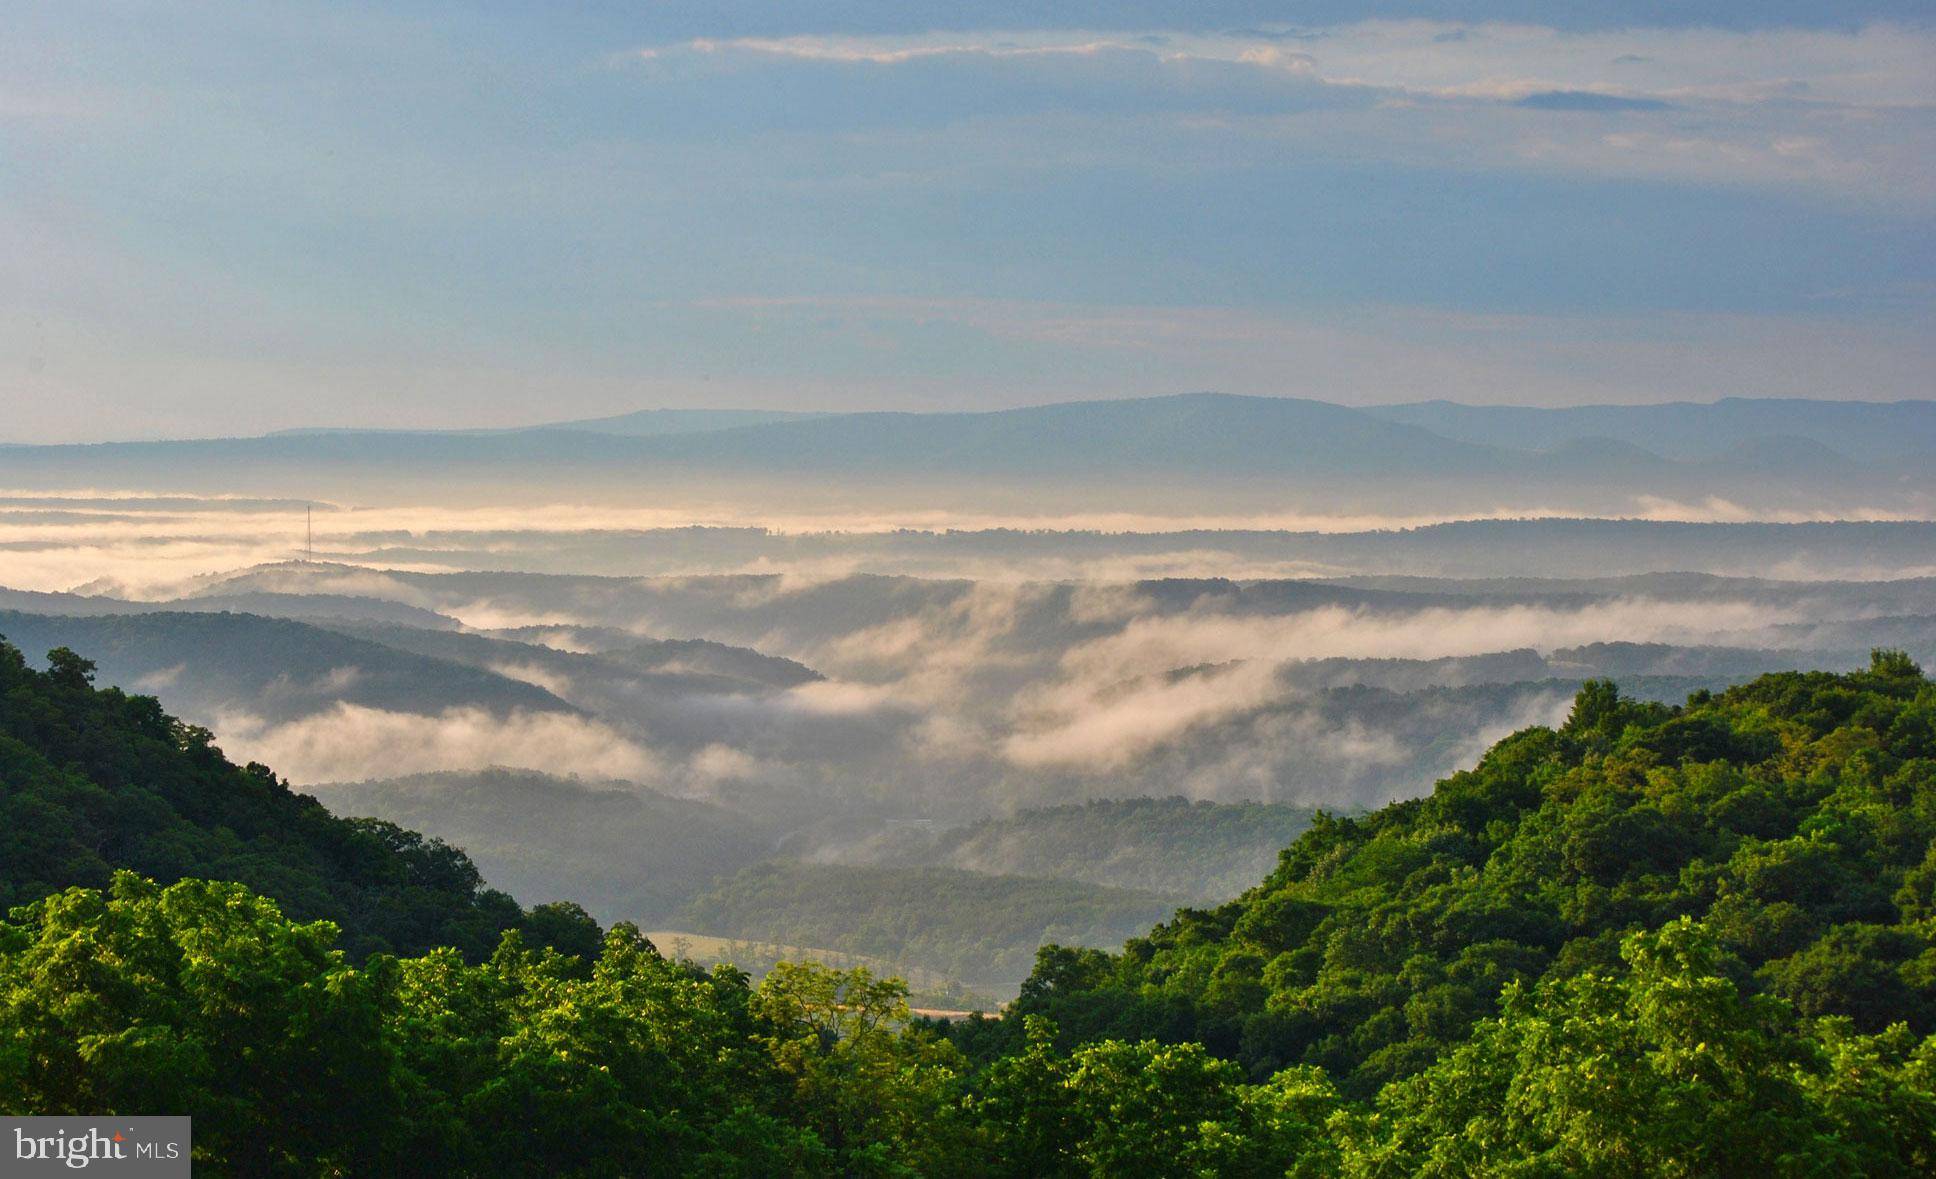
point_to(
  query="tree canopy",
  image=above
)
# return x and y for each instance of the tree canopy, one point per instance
(93, 780)
(1794, 817)
(1658, 940)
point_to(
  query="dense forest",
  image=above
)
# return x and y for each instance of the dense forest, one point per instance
(95, 780)
(1673, 940)
(1792, 818)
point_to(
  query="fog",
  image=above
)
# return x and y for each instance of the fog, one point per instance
(349, 742)
(149, 546)
(608, 702)
(951, 699)
(962, 664)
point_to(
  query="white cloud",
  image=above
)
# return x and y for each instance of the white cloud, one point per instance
(1120, 697)
(1843, 112)
(721, 763)
(157, 549)
(1104, 730)
(1149, 646)
(1878, 65)
(349, 742)
(557, 683)
(155, 681)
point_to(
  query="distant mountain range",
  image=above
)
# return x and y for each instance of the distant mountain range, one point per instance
(638, 424)
(1681, 430)
(1191, 426)
(1732, 428)
(1828, 456)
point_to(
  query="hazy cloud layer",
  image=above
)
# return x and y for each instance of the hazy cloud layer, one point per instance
(350, 743)
(1877, 66)
(144, 546)
(953, 696)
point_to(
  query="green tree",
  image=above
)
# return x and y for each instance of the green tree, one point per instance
(881, 1094)
(200, 997)
(1668, 1069)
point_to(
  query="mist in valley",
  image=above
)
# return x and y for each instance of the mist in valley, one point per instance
(602, 702)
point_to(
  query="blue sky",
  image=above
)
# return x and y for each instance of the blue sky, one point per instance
(229, 218)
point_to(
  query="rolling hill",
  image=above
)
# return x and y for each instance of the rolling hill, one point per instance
(206, 664)
(93, 780)
(624, 852)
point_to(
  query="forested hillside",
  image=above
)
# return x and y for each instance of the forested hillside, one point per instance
(94, 780)
(1792, 818)
(1658, 940)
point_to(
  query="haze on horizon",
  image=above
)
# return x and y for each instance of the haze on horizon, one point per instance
(226, 219)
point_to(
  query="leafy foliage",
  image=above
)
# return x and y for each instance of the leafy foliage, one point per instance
(95, 780)
(1795, 817)
(1667, 1068)
(203, 997)
(1657, 941)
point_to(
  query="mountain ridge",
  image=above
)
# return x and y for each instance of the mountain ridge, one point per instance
(1210, 448)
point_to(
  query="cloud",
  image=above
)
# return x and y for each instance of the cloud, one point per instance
(1151, 645)
(349, 742)
(934, 652)
(717, 763)
(1549, 709)
(1298, 754)
(845, 698)
(1876, 65)
(1161, 679)
(153, 551)
(946, 695)
(1588, 100)
(150, 547)
(339, 679)
(1106, 730)
(569, 639)
(728, 90)
(555, 682)
(856, 50)
(155, 681)
(1398, 91)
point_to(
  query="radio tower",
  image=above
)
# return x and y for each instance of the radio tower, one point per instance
(309, 539)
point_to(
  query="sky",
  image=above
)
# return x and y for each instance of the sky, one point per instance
(221, 219)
